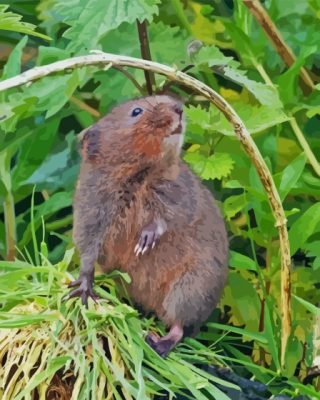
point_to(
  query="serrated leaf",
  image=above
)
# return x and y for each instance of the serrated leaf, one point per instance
(10, 21)
(198, 116)
(255, 118)
(90, 20)
(229, 68)
(47, 95)
(217, 166)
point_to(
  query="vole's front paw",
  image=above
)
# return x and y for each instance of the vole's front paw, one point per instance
(148, 238)
(84, 290)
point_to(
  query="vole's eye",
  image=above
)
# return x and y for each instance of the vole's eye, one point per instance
(136, 112)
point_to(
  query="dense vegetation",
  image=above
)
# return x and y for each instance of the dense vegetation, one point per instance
(49, 347)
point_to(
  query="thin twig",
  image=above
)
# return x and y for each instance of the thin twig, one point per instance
(146, 55)
(305, 145)
(278, 42)
(294, 125)
(131, 78)
(84, 106)
(106, 59)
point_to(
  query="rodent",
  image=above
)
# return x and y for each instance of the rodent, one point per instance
(139, 208)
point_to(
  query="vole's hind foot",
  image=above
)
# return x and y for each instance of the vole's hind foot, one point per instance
(164, 345)
(148, 238)
(84, 290)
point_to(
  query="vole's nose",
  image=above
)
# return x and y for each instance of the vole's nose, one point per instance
(178, 109)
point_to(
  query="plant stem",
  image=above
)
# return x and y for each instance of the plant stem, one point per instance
(278, 42)
(60, 223)
(181, 15)
(294, 125)
(84, 106)
(33, 230)
(106, 59)
(10, 224)
(146, 55)
(131, 78)
(8, 204)
(305, 145)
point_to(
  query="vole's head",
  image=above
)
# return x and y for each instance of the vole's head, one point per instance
(148, 127)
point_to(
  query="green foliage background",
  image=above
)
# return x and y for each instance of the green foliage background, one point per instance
(39, 163)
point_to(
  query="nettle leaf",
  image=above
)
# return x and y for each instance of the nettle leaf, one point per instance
(229, 68)
(10, 21)
(48, 95)
(198, 116)
(255, 118)
(217, 166)
(90, 20)
(163, 44)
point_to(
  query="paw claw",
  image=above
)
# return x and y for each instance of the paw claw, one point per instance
(136, 249)
(84, 290)
(148, 239)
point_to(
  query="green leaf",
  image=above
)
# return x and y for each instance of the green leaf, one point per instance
(246, 310)
(229, 68)
(304, 227)
(33, 151)
(255, 118)
(287, 179)
(47, 55)
(10, 21)
(13, 65)
(309, 306)
(240, 261)
(244, 332)
(53, 92)
(90, 20)
(288, 81)
(234, 204)
(217, 166)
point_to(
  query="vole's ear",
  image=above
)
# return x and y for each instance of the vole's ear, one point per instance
(89, 142)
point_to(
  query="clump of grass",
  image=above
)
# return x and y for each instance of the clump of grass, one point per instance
(56, 348)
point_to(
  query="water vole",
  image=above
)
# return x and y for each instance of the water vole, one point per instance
(140, 209)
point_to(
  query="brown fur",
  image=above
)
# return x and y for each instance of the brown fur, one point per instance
(130, 177)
